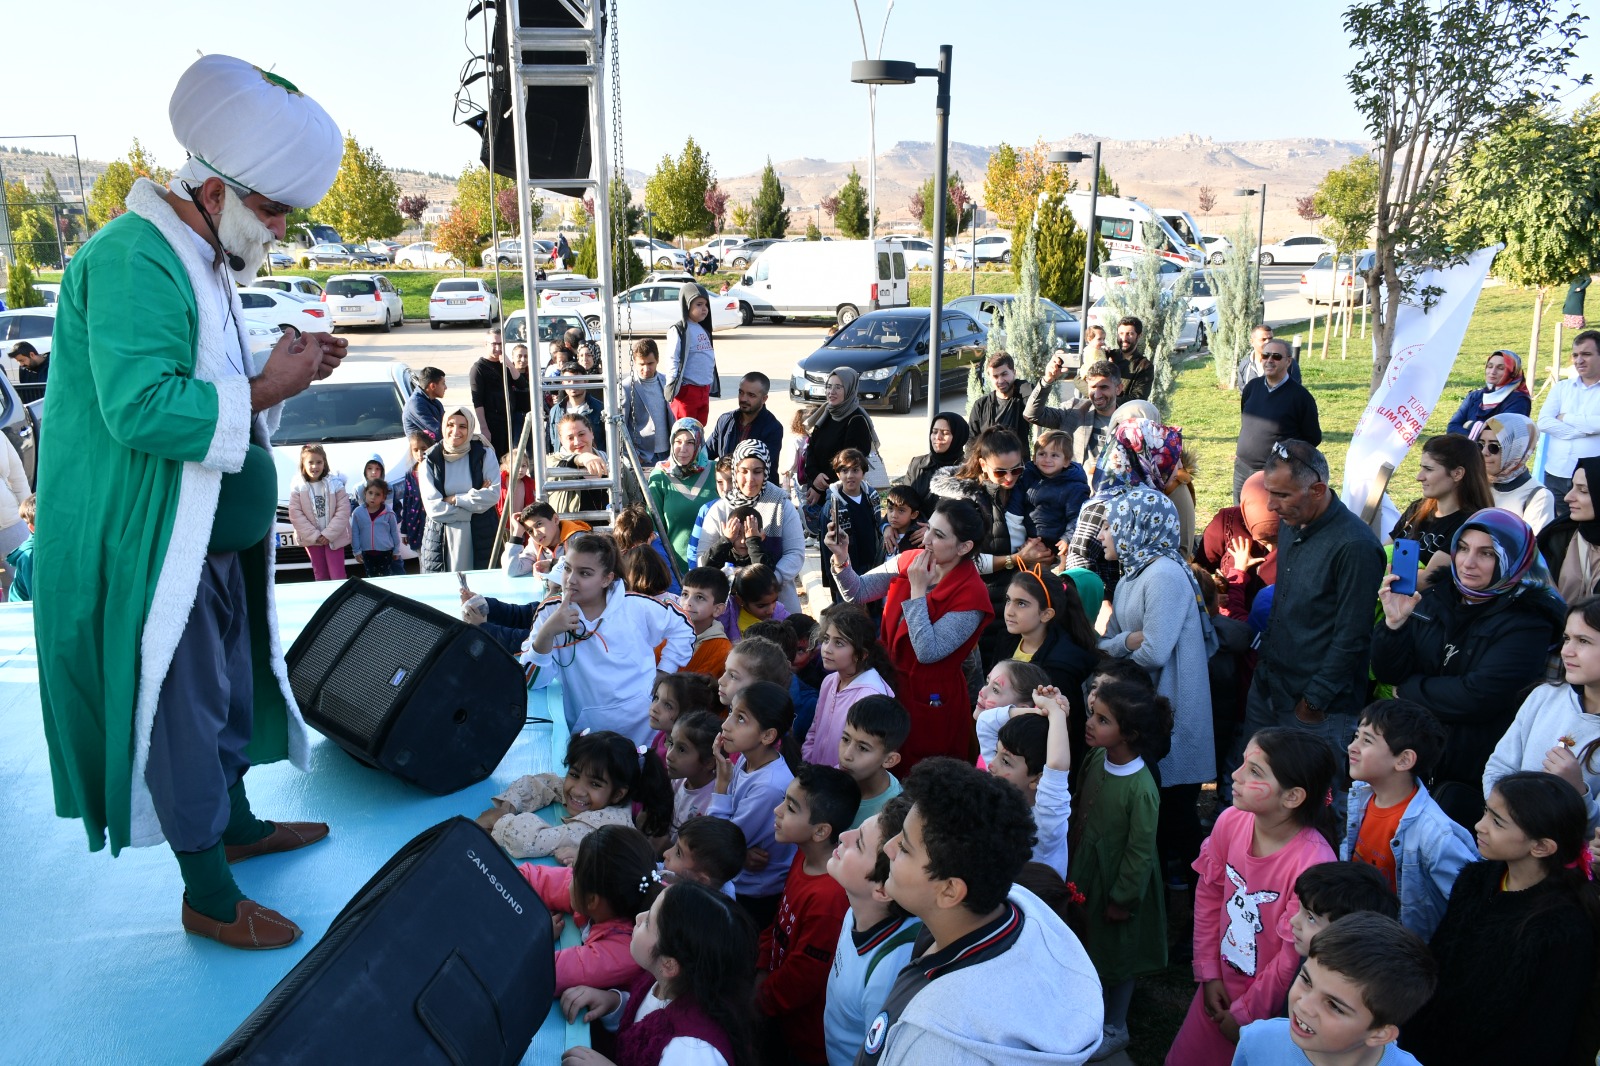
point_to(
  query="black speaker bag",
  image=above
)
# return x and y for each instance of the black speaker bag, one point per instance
(407, 688)
(446, 956)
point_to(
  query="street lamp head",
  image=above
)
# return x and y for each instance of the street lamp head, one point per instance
(1067, 157)
(1247, 192)
(883, 72)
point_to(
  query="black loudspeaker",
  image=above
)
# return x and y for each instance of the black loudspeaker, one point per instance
(406, 688)
(557, 115)
(444, 957)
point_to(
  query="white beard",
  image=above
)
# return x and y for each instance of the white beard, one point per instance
(241, 233)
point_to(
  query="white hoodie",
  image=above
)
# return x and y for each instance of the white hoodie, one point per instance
(1551, 715)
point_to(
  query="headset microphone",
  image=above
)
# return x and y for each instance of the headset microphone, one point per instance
(235, 261)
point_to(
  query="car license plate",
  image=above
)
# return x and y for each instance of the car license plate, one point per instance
(350, 309)
(455, 302)
(288, 540)
(816, 391)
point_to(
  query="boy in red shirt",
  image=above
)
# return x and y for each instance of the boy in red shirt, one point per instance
(797, 949)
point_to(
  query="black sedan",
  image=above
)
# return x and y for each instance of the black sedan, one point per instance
(984, 306)
(889, 349)
(361, 255)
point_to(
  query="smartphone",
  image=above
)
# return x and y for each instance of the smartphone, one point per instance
(462, 579)
(833, 510)
(1404, 567)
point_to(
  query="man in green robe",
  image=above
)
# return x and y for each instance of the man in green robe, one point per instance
(160, 669)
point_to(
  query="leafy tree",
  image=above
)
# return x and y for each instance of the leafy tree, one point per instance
(363, 200)
(812, 232)
(474, 188)
(34, 237)
(580, 212)
(460, 234)
(676, 193)
(19, 286)
(915, 204)
(1206, 199)
(851, 212)
(413, 206)
(1348, 197)
(741, 215)
(1430, 76)
(958, 207)
(830, 204)
(1306, 207)
(627, 269)
(1012, 181)
(1531, 183)
(1237, 287)
(717, 203)
(1059, 243)
(109, 194)
(506, 203)
(1162, 309)
(768, 217)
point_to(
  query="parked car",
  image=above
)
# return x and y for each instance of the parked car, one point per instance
(658, 253)
(280, 260)
(363, 300)
(994, 248)
(353, 413)
(718, 247)
(656, 308)
(889, 348)
(381, 254)
(745, 254)
(462, 300)
(552, 327)
(1118, 272)
(1217, 247)
(813, 279)
(50, 290)
(677, 276)
(1121, 223)
(1323, 284)
(984, 306)
(321, 255)
(1198, 324)
(31, 324)
(1185, 225)
(509, 252)
(290, 283)
(279, 308)
(424, 255)
(1301, 249)
(919, 252)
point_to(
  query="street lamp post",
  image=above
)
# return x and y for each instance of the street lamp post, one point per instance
(1089, 231)
(899, 72)
(1261, 225)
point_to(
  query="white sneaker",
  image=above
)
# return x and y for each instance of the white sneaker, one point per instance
(1112, 1040)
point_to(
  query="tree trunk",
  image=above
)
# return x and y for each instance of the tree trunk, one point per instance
(1533, 341)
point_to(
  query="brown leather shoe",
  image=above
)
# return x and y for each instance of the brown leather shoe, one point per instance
(285, 836)
(254, 927)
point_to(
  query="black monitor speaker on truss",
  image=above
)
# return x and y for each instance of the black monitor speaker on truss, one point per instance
(557, 115)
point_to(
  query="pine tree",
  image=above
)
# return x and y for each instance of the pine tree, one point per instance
(1162, 309)
(768, 217)
(19, 286)
(1237, 285)
(364, 199)
(851, 216)
(1060, 242)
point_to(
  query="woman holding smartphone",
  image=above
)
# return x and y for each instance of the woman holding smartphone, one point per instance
(1469, 648)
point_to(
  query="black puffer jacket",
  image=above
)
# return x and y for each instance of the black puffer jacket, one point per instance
(1471, 665)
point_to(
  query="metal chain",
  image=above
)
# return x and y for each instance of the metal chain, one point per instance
(619, 268)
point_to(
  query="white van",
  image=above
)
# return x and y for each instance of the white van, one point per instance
(1185, 224)
(823, 279)
(1120, 221)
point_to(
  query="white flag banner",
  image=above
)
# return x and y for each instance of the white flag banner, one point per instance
(1425, 347)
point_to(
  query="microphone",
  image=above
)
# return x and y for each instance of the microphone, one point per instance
(235, 261)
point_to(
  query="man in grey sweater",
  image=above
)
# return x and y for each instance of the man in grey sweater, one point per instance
(1312, 672)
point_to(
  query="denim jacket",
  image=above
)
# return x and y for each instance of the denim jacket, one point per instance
(1430, 850)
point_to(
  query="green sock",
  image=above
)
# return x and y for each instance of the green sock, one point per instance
(208, 884)
(243, 826)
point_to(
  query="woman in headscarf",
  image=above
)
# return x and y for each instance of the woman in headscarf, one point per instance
(1454, 487)
(1506, 442)
(1141, 451)
(680, 485)
(1159, 620)
(782, 536)
(1470, 647)
(947, 446)
(1571, 546)
(836, 425)
(1505, 392)
(935, 607)
(460, 486)
(1240, 545)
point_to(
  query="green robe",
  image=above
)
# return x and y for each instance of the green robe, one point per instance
(1113, 860)
(680, 501)
(144, 418)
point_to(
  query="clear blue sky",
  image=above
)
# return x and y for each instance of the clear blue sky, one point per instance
(747, 78)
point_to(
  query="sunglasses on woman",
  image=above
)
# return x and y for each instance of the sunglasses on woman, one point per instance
(1489, 447)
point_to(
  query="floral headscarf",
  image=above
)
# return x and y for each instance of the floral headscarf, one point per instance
(1515, 436)
(1515, 381)
(692, 427)
(1514, 548)
(748, 449)
(1141, 452)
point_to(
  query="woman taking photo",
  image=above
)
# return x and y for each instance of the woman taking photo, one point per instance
(1506, 443)
(935, 606)
(1454, 486)
(1470, 648)
(681, 484)
(1159, 621)
(1571, 547)
(783, 538)
(460, 486)
(1504, 392)
(836, 425)
(947, 446)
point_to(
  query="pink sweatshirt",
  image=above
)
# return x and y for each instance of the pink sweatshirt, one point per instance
(602, 960)
(833, 707)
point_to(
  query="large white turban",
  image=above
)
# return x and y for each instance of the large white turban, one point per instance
(254, 130)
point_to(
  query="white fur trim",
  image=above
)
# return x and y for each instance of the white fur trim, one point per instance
(232, 437)
(179, 577)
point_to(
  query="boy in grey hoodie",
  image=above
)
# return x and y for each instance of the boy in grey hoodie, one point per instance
(986, 943)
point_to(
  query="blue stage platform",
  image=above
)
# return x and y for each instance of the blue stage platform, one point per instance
(97, 968)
